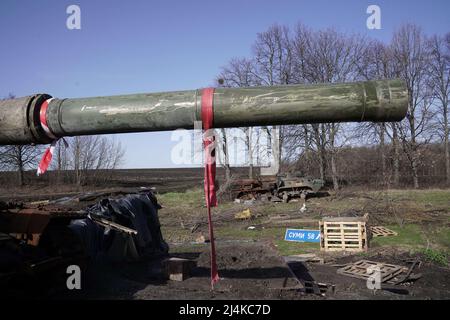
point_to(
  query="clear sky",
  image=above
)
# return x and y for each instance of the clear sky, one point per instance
(149, 46)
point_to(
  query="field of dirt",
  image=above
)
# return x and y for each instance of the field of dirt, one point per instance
(163, 180)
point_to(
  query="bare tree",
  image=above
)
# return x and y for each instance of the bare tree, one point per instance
(326, 57)
(439, 82)
(378, 63)
(306, 56)
(19, 157)
(411, 57)
(93, 154)
(238, 73)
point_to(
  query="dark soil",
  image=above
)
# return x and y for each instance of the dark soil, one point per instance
(247, 271)
(255, 271)
(434, 283)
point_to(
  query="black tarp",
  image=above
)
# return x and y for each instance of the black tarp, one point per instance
(134, 211)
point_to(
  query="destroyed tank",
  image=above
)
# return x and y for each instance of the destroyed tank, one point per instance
(252, 189)
(291, 186)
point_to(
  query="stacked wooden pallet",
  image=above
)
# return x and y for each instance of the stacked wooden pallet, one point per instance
(343, 234)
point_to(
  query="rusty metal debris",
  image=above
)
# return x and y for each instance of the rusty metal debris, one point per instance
(251, 189)
(28, 221)
(38, 238)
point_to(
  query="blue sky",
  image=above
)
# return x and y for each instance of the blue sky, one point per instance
(149, 46)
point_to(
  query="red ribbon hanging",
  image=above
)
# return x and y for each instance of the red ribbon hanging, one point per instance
(210, 170)
(48, 154)
(46, 159)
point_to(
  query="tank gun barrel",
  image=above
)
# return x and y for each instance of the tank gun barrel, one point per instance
(21, 119)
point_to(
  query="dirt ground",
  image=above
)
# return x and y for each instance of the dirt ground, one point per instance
(254, 270)
(247, 271)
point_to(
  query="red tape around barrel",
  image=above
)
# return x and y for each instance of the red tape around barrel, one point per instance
(210, 170)
(48, 154)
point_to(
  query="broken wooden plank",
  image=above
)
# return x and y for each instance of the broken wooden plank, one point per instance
(113, 225)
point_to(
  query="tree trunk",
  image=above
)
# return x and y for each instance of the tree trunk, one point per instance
(20, 176)
(396, 145)
(226, 156)
(383, 153)
(276, 147)
(413, 150)
(446, 146)
(307, 169)
(20, 165)
(248, 137)
(414, 172)
(334, 173)
(77, 160)
(318, 133)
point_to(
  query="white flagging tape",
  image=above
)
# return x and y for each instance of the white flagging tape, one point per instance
(46, 159)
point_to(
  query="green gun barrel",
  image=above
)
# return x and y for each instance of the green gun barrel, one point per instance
(384, 100)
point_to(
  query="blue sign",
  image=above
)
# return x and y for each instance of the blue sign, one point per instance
(300, 235)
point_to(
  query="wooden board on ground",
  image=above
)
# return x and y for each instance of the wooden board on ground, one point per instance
(380, 231)
(362, 270)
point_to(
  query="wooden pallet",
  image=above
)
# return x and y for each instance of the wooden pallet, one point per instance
(343, 234)
(360, 269)
(380, 231)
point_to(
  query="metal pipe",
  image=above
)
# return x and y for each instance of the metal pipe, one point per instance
(384, 100)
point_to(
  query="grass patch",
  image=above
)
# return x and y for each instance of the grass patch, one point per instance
(435, 256)
(416, 236)
(441, 237)
(408, 235)
(431, 197)
(288, 248)
(190, 198)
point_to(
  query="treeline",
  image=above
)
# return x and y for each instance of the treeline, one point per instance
(362, 166)
(399, 153)
(76, 160)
